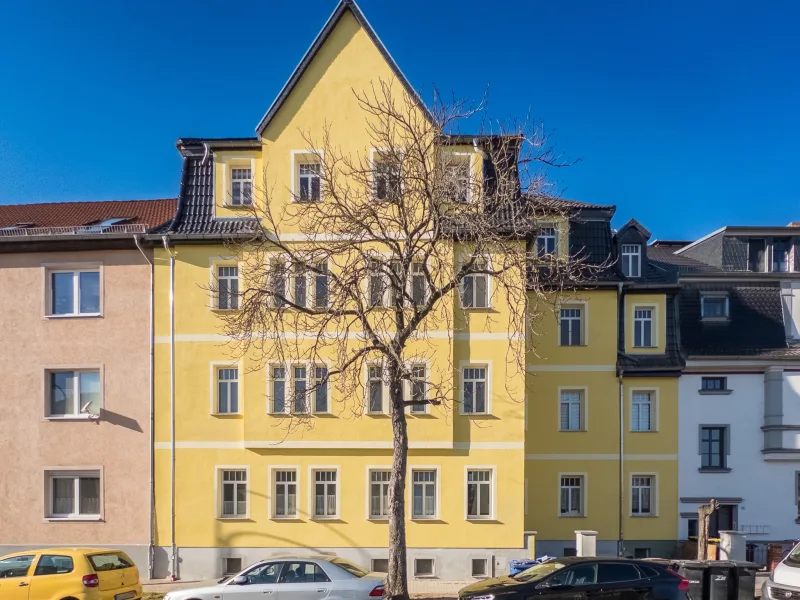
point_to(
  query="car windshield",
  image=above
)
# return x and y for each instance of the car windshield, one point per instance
(793, 558)
(538, 571)
(354, 570)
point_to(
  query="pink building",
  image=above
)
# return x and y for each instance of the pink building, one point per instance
(75, 344)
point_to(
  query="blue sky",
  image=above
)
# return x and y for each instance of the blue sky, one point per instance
(684, 114)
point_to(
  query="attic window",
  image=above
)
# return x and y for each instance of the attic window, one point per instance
(457, 175)
(632, 260)
(714, 306)
(99, 226)
(17, 226)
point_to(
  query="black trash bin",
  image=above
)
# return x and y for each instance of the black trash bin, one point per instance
(717, 579)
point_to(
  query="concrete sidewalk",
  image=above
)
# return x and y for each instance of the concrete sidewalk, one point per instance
(417, 587)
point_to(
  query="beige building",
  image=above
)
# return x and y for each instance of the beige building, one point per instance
(75, 341)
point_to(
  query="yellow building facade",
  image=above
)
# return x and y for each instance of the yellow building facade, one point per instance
(233, 484)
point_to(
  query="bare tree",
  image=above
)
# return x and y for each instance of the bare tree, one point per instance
(392, 245)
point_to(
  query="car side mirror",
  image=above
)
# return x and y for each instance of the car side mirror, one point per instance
(239, 580)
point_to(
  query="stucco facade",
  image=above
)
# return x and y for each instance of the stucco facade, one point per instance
(101, 454)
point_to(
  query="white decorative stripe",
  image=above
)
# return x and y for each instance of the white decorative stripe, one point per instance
(344, 445)
(600, 457)
(435, 335)
(604, 368)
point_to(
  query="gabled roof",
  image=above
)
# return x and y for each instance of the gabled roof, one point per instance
(330, 24)
(72, 214)
(634, 224)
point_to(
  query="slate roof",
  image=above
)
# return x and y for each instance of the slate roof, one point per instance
(570, 205)
(664, 258)
(71, 214)
(195, 214)
(330, 24)
(755, 326)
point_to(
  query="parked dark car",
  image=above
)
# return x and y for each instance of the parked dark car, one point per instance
(576, 578)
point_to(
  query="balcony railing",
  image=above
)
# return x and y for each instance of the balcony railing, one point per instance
(75, 230)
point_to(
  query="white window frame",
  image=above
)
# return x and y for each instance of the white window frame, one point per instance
(293, 366)
(75, 473)
(554, 236)
(584, 478)
(243, 200)
(430, 575)
(216, 367)
(492, 469)
(628, 255)
(489, 290)
(653, 494)
(370, 470)
(220, 491)
(375, 157)
(487, 365)
(469, 159)
(487, 562)
(48, 269)
(653, 325)
(653, 392)
(409, 387)
(312, 491)
(289, 387)
(437, 491)
(372, 564)
(273, 489)
(271, 389)
(583, 322)
(274, 263)
(715, 296)
(215, 264)
(75, 370)
(237, 160)
(385, 400)
(584, 404)
(299, 157)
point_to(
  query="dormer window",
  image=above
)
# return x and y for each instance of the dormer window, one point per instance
(781, 251)
(632, 260)
(546, 241)
(241, 187)
(756, 255)
(714, 306)
(458, 178)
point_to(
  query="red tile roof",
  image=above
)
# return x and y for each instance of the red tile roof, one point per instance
(70, 214)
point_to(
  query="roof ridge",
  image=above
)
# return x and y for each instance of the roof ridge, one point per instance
(319, 40)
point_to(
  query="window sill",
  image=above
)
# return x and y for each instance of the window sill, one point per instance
(644, 431)
(238, 518)
(290, 519)
(643, 516)
(714, 470)
(72, 418)
(378, 519)
(326, 519)
(435, 519)
(425, 577)
(238, 206)
(581, 345)
(572, 430)
(216, 309)
(571, 516)
(226, 415)
(75, 316)
(477, 308)
(715, 319)
(714, 392)
(490, 520)
(377, 414)
(87, 519)
(475, 414)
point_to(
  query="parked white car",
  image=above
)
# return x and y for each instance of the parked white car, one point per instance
(292, 578)
(784, 581)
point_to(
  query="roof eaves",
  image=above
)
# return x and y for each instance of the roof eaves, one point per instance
(317, 44)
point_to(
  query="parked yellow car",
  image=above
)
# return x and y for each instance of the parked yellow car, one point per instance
(60, 573)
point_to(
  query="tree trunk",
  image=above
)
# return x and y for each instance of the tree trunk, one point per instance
(397, 581)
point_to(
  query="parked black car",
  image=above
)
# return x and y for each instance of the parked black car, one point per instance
(576, 578)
